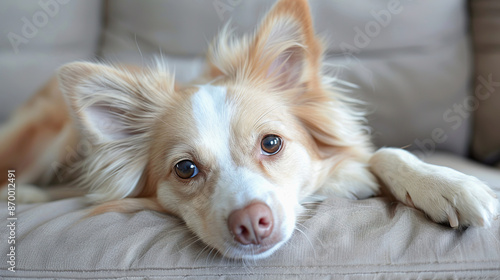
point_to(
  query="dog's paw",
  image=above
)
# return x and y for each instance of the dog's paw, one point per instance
(444, 194)
(447, 195)
(24, 193)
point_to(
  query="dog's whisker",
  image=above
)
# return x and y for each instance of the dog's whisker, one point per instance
(248, 262)
(232, 158)
(223, 260)
(208, 256)
(193, 240)
(226, 251)
(179, 227)
(316, 238)
(201, 252)
(306, 237)
(215, 254)
(184, 243)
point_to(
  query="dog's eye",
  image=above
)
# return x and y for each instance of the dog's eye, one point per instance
(186, 169)
(271, 144)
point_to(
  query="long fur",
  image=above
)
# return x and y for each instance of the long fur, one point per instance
(114, 169)
(138, 127)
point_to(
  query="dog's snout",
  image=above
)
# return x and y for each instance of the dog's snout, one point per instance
(252, 224)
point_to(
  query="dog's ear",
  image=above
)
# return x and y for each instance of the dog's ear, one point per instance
(110, 103)
(285, 55)
(115, 109)
(284, 51)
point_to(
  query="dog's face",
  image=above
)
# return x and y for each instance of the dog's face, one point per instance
(233, 157)
(235, 164)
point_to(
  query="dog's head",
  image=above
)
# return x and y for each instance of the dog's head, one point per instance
(233, 157)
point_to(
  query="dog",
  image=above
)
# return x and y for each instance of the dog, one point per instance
(236, 153)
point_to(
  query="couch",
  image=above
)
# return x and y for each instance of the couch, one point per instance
(429, 74)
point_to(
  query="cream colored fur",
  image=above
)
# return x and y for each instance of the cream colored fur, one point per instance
(137, 125)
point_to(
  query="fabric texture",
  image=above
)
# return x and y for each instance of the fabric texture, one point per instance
(365, 239)
(486, 101)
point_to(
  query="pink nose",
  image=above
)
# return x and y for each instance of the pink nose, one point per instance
(251, 224)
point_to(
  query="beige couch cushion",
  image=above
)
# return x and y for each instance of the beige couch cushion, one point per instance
(486, 32)
(367, 239)
(409, 58)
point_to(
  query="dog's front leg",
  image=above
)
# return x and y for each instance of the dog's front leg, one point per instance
(444, 194)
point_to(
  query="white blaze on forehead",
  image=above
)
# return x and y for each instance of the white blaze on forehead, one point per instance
(212, 114)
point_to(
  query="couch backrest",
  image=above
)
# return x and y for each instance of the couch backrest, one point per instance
(410, 59)
(39, 36)
(485, 97)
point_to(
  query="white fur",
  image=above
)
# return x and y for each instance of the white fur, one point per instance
(352, 180)
(118, 110)
(238, 186)
(212, 114)
(442, 193)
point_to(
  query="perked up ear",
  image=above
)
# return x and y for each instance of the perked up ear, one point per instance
(283, 52)
(285, 55)
(115, 112)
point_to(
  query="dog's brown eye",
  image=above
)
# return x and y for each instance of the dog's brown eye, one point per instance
(271, 144)
(186, 169)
